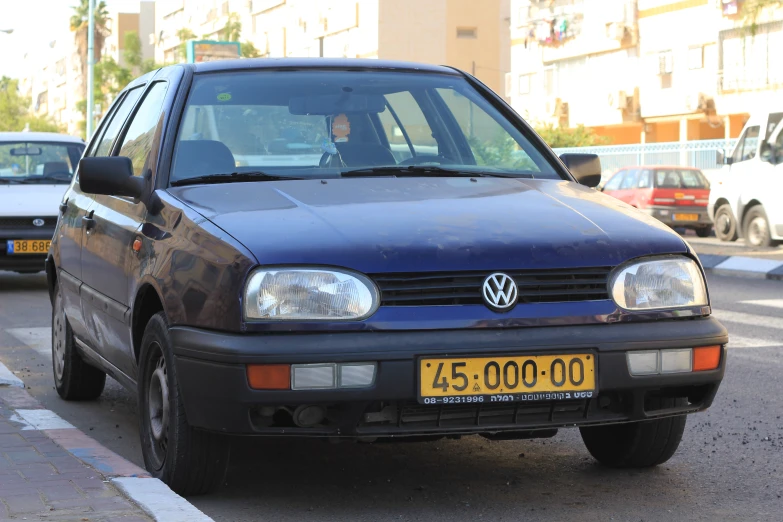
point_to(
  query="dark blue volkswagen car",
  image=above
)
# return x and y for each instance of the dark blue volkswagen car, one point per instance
(363, 250)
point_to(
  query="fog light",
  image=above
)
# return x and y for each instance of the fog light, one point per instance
(313, 376)
(643, 363)
(676, 361)
(356, 375)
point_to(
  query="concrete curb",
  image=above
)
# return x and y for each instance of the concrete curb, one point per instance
(154, 497)
(740, 266)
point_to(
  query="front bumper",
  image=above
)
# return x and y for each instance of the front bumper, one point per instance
(672, 216)
(211, 370)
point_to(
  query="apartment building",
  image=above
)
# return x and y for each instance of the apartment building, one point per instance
(468, 34)
(56, 83)
(644, 70)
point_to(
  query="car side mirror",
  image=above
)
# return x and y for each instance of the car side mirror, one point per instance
(586, 168)
(768, 152)
(112, 176)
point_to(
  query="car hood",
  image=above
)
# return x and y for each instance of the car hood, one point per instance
(430, 224)
(32, 200)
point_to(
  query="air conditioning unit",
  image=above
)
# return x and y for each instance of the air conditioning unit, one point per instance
(700, 102)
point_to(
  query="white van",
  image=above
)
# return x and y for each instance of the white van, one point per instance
(746, 197)
(35, 171)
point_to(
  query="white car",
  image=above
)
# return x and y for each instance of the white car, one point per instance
(746, 197)
(35, 171)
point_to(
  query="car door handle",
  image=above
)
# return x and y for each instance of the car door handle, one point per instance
(88, 222)
(64, 207)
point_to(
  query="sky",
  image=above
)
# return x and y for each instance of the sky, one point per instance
(36, 23)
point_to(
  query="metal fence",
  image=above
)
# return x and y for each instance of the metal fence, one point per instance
(701, 154)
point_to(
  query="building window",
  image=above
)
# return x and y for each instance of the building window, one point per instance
(696, 58)
(665, 68)
(467, 32)
(524, 83)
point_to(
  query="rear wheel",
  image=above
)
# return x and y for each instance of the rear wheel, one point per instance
(74, 379)
(756, 227)
(725, 224)
(191, 462)
(635, 444)
(704, 231)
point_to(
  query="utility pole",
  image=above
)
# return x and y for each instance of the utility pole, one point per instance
(90, 66)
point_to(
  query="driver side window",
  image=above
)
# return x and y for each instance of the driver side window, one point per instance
(747, 146)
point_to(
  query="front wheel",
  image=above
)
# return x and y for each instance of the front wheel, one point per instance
(74, 379)
(191, 462)
(635, 444)
(725, 224)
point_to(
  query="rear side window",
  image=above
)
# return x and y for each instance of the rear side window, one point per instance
(645, 179)
(117, 120)
(614, 183)
(139, 139)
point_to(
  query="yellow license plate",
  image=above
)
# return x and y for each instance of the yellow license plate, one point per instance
(27, 246)
(506, 379)
(686, 217)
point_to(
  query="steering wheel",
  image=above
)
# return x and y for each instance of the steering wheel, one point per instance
(425, 158)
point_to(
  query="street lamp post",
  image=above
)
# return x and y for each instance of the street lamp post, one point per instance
(90, 66)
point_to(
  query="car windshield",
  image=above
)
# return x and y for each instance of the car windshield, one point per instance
(324, 123)
(38, 162)
(680, 179)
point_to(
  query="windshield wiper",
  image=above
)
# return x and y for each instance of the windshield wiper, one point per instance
(427, 171)
(229, 178)
(39, 179)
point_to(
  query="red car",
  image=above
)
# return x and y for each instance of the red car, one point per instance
(677, 196)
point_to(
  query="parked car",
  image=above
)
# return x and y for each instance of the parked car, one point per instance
(461, 291)
(676, 196)
(35, 170)
(747, 194)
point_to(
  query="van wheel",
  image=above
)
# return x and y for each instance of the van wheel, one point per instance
(74, 379)
(704, 231)
(756, 227)
(635, 444)
(725, 224)
(191, 462)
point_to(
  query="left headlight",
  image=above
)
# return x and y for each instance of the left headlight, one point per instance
(309, 294)
(655, 284)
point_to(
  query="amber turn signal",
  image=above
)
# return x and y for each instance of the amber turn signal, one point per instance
(706, 358)
(269, 376)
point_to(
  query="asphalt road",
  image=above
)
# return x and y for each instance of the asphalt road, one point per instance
(729, 466)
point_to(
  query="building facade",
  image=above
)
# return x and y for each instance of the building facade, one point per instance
(644, 70)
(467, 34)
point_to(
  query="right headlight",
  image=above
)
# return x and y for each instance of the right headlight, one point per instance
(656, 284)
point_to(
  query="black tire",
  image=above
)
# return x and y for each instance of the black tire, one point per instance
(725, 224)
(74, 379)
(635, 444)
(704, 231)
(191, 462)
(755, 227)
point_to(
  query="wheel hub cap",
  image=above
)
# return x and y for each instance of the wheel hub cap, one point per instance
(58, 341)
(159, 404)
(757, 231)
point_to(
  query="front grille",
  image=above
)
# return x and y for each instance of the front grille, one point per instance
(464, 288)
(26, 222)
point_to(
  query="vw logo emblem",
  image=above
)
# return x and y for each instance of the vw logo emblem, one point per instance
(38, 222)
(500, 292)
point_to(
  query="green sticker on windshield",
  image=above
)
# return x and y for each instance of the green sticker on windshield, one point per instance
(224, 96)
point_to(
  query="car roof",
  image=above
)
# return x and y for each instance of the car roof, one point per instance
(318, 63)
(52, 137)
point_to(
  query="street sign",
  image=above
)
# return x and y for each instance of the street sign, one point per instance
(210, 50)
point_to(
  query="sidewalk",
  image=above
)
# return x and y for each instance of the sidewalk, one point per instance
(49, 470)
(41, 480)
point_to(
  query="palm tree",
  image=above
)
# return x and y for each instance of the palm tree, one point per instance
(233, 28)
(79, 25)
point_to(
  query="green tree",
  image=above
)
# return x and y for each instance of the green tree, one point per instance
(578, 136)
(132, 52)
(232, 30)
(248, 50)
(15, 112)
(79, 25)
(184, 35)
